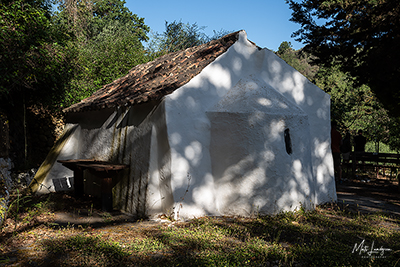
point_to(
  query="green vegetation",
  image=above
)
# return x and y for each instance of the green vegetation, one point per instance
(179, 36)
(353, 106)
(33, 58)
(361, 36)
(105, 43)
(56, 53)
(355, 45)
(331, 235)
(61, 57)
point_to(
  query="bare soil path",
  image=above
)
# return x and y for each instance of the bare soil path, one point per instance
(368, 196)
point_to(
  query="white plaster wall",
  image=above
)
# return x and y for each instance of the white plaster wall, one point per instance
(159, 192)
(252, 171)
(189, 127)
(258, 176)
(316, 104)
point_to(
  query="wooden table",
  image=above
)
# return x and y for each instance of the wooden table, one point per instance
(103, 170)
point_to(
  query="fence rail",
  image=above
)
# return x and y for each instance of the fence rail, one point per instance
(376, 161)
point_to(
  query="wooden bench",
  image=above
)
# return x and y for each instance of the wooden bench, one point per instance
(102, 170)
(375, 161)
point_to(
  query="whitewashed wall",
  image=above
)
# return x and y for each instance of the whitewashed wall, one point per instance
(189, 127)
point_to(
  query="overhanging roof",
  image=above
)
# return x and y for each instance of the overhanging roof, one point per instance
(153, 80)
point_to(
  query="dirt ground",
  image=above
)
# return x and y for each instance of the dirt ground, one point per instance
(19, 245)
(368, 195)
(362, 194)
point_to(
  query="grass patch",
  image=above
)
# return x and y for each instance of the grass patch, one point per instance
(327, 236)
(80, 250)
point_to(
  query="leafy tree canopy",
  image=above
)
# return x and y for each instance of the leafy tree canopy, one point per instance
(362, 36)
(300, 60)
(104, 58)
(107, 43)
(284, 47)
(179, 36)
(354, 107)
(115, 10)
(32, 55)
(87, 18)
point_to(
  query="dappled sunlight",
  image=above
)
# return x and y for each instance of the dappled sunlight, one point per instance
(302, 182)
(252, 181)
(238, 184)
(286, 79)
(283, 106)
(310, 101)
(193, 152)
(204, 195)
(252, 170)
(233, 174)
(180, 174)
(297, 169)
(285, 202)
(316, 104)
(325, 237)
(276, 68)
(175, 139)
(256, 118)
(294, 87)
(237, 64)
(264, 102)
(275, 130)
(325, 169)
(321, 148)
(298, 90)
(267, 155)
(191, 103)
(218, 76)
(243, 47)
(323, 114)
(326, 189)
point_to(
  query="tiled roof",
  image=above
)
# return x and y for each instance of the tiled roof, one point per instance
(153, 80)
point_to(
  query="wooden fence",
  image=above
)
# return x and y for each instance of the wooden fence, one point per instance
(375, 161)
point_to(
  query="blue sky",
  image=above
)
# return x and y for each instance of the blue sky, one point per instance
(265, 21)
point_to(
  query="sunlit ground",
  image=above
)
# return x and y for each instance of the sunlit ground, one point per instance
(331, 235)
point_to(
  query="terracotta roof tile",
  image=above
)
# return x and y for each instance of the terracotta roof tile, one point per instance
(153, 80)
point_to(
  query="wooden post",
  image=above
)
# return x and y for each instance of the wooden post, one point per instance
(106, 193)
(78, 182)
